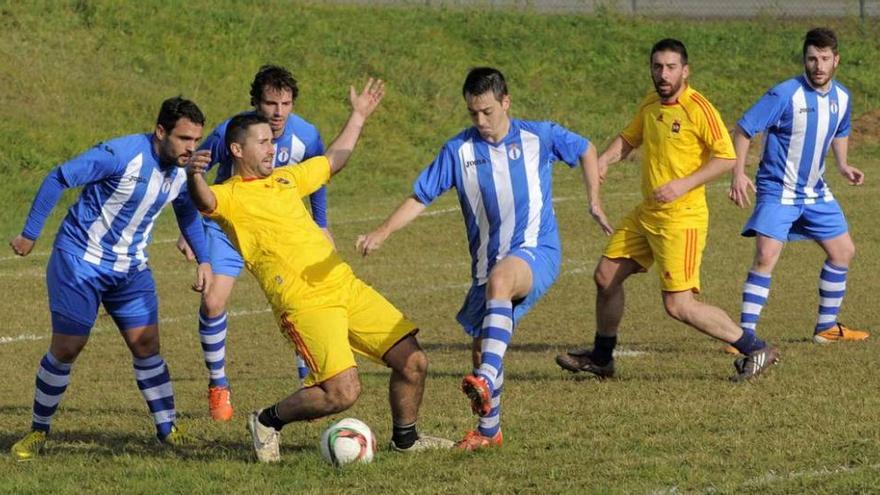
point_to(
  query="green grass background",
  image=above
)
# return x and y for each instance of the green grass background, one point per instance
(75, 72)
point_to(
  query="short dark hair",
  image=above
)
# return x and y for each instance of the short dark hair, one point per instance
(820, 38)
(670, 45)
(238, 127)
(482, 79)
(275, 77)
(176, 108)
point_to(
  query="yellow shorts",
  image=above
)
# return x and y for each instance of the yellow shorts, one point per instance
(677, 250)
(325, 337)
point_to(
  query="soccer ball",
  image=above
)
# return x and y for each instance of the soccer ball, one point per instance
(348, 440)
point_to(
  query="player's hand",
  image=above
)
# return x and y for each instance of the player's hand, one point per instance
(329, 236)
(670, 191)
(199, 162)
(21, 245)
(368, 243)
(599, 216)
(369, 99)
(184, 248)
(854, 176)
(739, 190)
(204, 278)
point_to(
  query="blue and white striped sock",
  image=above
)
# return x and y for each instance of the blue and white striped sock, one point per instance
(754, 297)
(832, 288)
(154, 382)
(212, 334)
(52, 380)
(490, 424)
(496, 333)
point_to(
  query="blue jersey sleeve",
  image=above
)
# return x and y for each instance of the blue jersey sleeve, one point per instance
(190, 223)
(567, 146)
(99, 162)
(47, 197)
(436, 178)
(844, 126)
(764, 113)
(318, 199)
(216, 144)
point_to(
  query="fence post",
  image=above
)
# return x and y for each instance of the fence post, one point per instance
(861, 10)
(634, 6)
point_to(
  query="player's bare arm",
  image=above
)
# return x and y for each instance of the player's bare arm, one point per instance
(840, 147)
(740, 184)
(589, 162)
(616, 151)
(674, 189)
(199, 191)
(362, 106)
(402, 216)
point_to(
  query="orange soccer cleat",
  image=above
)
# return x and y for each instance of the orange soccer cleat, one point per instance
(219, 403)
(480, 394)
(840, 333)
(473, 440)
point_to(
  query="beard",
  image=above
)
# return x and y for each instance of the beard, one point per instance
(815, 82)
(667, 91)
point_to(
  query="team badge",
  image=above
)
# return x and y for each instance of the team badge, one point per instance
(513, 151)
(833, 107)
(166, 186)
(282, 180)
(676, 126)
(660, 118)
(283, 155)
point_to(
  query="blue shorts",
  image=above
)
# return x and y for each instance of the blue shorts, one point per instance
(225, 259)
(544, 262)
(818, 221)
(77, 287)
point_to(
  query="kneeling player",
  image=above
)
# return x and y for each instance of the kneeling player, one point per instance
(325, 311)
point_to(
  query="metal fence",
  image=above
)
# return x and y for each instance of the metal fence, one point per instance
(666, 8)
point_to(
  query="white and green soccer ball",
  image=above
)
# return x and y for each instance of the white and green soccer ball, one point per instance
(348, 440)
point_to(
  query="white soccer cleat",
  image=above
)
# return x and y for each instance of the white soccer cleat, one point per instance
(266, 440)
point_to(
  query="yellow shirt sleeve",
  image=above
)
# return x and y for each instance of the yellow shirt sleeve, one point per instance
(309, 175)
(632, 134)
(712, 129)
(223, 195)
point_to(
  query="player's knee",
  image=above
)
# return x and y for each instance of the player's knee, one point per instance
(415, 365)
(676, 308)
(843, 255)
(500, 285)
(66, 353)
(604, 281)
(213, 305)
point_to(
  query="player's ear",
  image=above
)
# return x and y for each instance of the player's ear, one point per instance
(160, 132)
(235, 149)
(505, 102)
(686, 71)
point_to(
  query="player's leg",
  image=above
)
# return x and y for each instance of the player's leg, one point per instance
(74, 296)
(379, 331)
(134, 307)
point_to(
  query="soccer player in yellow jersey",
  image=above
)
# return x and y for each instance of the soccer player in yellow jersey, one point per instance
(685, 145)
(321, 307)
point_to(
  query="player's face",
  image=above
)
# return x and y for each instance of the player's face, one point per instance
(669, 74)
(819, 65)
(178, 145)
(257, 153)
(276, 106)
(489, 115)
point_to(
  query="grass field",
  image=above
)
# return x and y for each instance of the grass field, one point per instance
(77, 72)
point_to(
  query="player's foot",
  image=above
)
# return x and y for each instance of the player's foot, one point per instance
(480, 394)
(30, 446)
(219, 403)
(839, 333)
(755, 363)
(424, 442)
(178, 438)
(729, 349)
(266, 440)
(581, 360)
(473, 440)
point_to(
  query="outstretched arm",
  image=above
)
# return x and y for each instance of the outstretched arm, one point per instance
(740, 184)
(590, 168)
(199, 191)
(402, 216)
(362, 106)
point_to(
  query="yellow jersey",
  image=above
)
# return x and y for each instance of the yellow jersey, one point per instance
(678, 139)
(266, 220)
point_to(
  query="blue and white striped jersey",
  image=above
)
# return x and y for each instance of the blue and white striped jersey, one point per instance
(800, 124)
(505, 189)
(300, 141)
(124, 191)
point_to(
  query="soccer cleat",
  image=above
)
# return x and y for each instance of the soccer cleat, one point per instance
(219, 403)
(755, 363)
(266, 440)
(30, 446)
(581, 360)
(478, 391)
(473, 440)
(178, 438)
(839, 333)
(424, 442)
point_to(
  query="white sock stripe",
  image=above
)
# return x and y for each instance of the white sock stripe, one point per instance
(215, 356)
(163, 391)
(487, 422)
(827, 319)
(756, 290)
(495, 402)
(150, 362)
(488, 370)
(166, 416)
(214, 338)
(217, 374)
(493, 346)
(45, 399)
(830, 301)
(215, 324)
(498, 321)
(43, 420)
(750, 326)
(832, 269)
(499, 381)
(752, 308)
(141, 375)
(52, 379)
(499, 303)
(831, 286)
